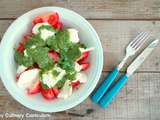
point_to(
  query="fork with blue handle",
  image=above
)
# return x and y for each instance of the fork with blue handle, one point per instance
(131, 49)
(108, 97)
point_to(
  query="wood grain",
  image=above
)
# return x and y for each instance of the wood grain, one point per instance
(91, 9)
(139, 99)
(116, 22)
(115, 35)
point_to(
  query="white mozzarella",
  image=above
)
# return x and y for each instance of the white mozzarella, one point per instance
(82, 77)
(28, 78)
(87, 49)
(21, 68)
(66, 91)
(33, 46)
(73, 34)
(51, 80)
(46, 34)
(78, 67)
(25, 53)
(35, 29)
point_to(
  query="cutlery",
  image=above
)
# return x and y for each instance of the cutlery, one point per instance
(131, 49)
(108, 97)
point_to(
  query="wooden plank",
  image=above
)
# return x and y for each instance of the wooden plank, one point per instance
(138, 100)
(99, 9)
(115, 35)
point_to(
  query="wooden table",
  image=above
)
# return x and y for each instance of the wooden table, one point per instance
(116, 22)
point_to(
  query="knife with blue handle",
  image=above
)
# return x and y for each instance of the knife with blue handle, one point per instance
(98, 94)
(131, 49)
(109, 96)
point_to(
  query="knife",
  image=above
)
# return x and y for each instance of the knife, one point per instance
(108, 97)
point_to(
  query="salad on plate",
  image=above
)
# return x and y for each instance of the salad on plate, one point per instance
(51, 59)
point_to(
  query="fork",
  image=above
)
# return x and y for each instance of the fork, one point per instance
(131, 49)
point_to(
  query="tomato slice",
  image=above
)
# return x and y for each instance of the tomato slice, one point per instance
(26, 38)
(59, 26)
(75, 84)
(17, 76)
(83, 57)
(20, 48)
(56, 91)
(35, 88)
(54, 55)
(84, 66)
(37, 19)
(48, 94)
(53, 18)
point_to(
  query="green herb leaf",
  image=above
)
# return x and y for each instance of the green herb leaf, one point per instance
(60, 42)
(44, 86)
(48, 27)
(35, 40)
(61, 83)
(23, 60)
(18, 57)
(40, 56)
(71, 75)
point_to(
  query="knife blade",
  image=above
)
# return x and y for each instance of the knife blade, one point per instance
(140, 59)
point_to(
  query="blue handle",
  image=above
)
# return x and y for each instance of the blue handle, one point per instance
(108, 97)
(98, 94)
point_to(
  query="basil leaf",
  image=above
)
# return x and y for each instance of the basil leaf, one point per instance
(35, 40)
(48, 27)
(61, 83)
(40, 56)
(60, 42)
(23, 60)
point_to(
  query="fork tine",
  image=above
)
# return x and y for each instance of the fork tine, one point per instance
(137, 38)
(144, 35)
(141, 41)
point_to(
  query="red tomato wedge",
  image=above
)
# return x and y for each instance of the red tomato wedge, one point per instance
(48, 94)
(35, 88)
(53, 19)
(20, 48)
(26, 38)
(84, 66)
(56, 91)
(75, 84)
(83, 57)
(37, 19)
(17, 76)
(59, 26)
(54, 55)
